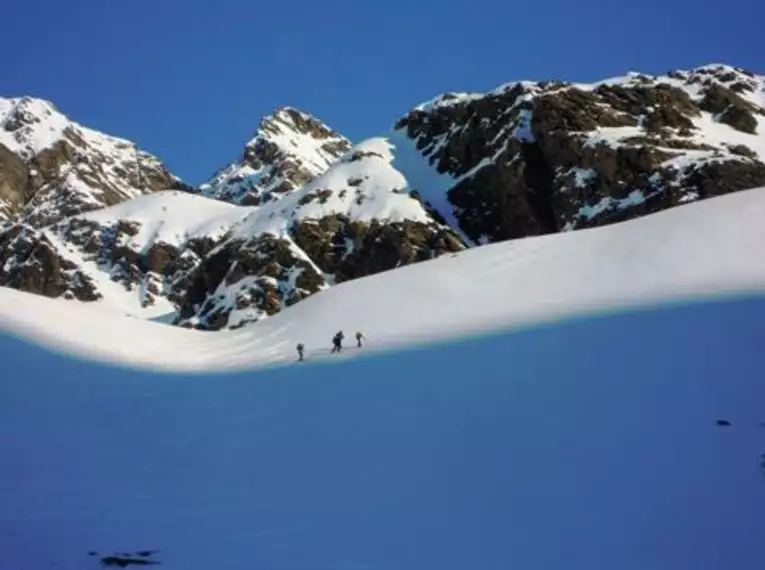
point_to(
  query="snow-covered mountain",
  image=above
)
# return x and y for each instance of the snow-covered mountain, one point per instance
(303, 210)
(289, 149)
(538, 157)
(51, 167)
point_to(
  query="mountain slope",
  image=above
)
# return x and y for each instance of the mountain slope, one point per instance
(52, 167)
(289, 149)
(700, 250)
(130, 258)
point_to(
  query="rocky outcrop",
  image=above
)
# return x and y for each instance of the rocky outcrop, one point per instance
(534, 158)
(14, 181)
(245, 280)
(348, 249)
(31, 262)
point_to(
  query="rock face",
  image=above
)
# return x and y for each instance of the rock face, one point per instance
(303, 209)
(31, 262)
(51, 167)
(533, 158)
(289, 149)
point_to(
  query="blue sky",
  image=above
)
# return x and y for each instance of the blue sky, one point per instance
(189, 80)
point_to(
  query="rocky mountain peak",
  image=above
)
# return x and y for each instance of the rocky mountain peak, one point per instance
(289, 149)
(285, 119)
(52, 167)
(540, 157)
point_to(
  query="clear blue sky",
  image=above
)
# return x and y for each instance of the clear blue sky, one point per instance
(189, 80)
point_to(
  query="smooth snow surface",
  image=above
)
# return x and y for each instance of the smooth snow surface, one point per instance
(694, 251)
(172, 217)
(593, 445)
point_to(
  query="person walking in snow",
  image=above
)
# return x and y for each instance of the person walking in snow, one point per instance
(300, 349)
(359, 336)
(337, 342)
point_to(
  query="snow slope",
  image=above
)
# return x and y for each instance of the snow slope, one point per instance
(586, 446)
(172, 217)
(697, 251)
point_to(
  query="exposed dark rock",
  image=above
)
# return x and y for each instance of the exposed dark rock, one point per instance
(660, 105)
(742, 150)
(518, 177)
(14, 181)
(729, 108)
(666, 142)
(575, 110)
(265, 272)
(31, 263)
(718, 178)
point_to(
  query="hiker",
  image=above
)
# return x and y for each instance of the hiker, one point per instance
(337, 342)
(300, 348)
(359, 336)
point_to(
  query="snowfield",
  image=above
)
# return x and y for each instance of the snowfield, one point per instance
(588, 445)
(699, 250)
(630, 442)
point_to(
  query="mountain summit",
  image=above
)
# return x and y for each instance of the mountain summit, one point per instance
(52, 167)
(289, 149)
